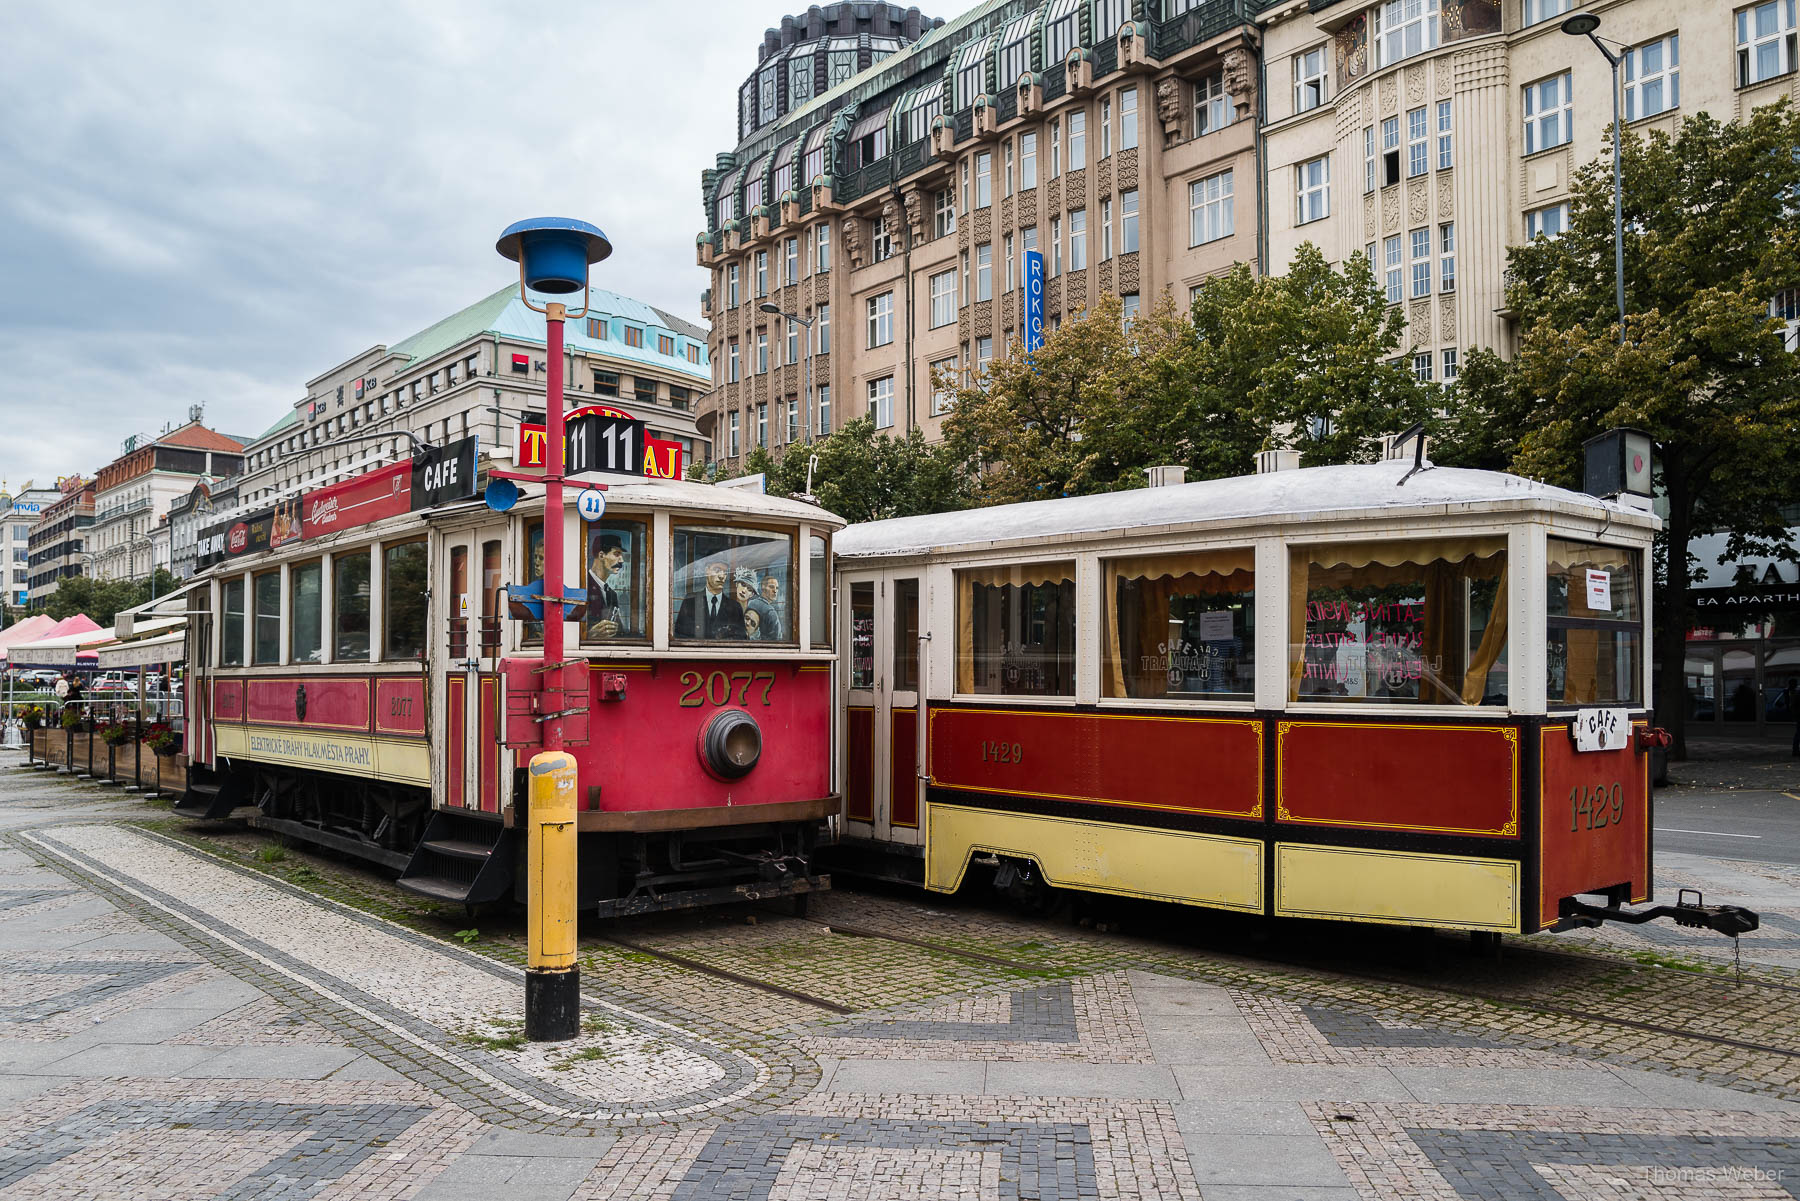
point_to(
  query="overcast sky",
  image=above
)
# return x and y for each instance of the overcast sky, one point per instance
(212, 202)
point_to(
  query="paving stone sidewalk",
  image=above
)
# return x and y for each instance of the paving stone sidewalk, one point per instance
(174, 1027)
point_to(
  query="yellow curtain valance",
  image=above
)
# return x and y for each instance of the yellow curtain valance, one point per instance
(1570, 556)
(1018, 575)
(1418, 551)
(1196, 563)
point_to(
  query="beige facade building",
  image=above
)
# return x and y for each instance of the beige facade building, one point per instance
(1433, 135)
(1143, 145)
(894, 209)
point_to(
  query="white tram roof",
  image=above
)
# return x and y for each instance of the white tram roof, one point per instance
(710, 498)
(1370, 490)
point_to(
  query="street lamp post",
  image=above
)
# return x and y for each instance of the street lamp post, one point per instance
(805, 323)
(1583, 25)
(553, 254)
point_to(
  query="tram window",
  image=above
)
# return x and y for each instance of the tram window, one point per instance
(490, 579)
(1595, 625)
(265, 596)
(733, 584)
(403, 600)
(350, 606)
(533, 631)
(906, 635)
(1181, 625)
(862, 635)
(1416, 621)
(819, 579)
(1015, 630)
(617, 581)
(305, 621)
(231, 624)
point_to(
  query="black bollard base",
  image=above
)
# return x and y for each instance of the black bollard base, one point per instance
(552, 1005)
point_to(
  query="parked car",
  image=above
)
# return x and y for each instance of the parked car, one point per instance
(110, 681)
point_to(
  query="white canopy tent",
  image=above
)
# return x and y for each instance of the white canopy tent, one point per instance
(54, 651)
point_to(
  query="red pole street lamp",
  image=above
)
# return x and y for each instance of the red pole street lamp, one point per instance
(553, 254)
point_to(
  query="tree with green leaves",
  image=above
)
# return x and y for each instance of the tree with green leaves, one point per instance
(1306, 360)
(1712, 219)
(864, 475)
(102, 600)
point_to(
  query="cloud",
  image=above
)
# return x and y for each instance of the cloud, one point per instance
(213, 202)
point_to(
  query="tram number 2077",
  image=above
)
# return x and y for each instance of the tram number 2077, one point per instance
(716, 688)
(1601, 805)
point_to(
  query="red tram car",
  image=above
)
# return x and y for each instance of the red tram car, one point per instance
(1363, 693)
(356, 676)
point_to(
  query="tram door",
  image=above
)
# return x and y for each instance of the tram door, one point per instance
(882, 707)
(471, 683)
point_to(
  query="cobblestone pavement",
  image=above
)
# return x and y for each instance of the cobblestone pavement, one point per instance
(182, 1017)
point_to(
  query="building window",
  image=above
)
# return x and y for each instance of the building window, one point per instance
(1106, 127)
(1077, 139)
(762, 423)
(1313, 184)
(1106, 229)
(762, 273)
(1128, 119)
(1785, 308)
(824, 391)
(1368, 159)
(693, 352)
(943, 386)
(1421, 262)
(881, 239)
(595, 329)
(1404, 28)
(1422, 367)
(793, 418)
(1006, 182)
(1765, 37)
(984, 354)
(733, 447)
(762, 351)
(881, 401)
(1027, 160)
(1449, 365)
(984, 271)
(1054, 266)
(731, 285)
(824, 323)
(1447, 257)
(1548, 222)
(1394, 264)
(1653, 78)
(984, 179)
(606, 383)
(1210, 209)
(732, 361)
(822, 248)
(1418, 143)
(1128, 308)
(665, 344)
(945, 207)
(881, 319)
(1078, 240)
(1543, 10)
(1549, 116)
(793, 342)
(790, 256)
(1446, 150)
(1309, 79)
(1055, 147)
(943, 298)
(1390, 151)
(1128, 222)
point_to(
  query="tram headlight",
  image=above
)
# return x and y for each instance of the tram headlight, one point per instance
(731, 744)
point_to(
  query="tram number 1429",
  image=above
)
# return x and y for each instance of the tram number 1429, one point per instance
(1601, 805)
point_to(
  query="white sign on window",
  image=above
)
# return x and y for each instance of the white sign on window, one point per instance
(1602, 729)
(1599, 591)
(1215, 625)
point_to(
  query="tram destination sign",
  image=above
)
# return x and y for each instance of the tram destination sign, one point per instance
(609, 445)
(662, 459)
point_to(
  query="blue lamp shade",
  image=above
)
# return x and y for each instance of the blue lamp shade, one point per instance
(554, 251)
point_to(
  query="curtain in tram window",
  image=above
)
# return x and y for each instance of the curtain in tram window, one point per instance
(1013, 574)
(1493, 641)
(1130, 635)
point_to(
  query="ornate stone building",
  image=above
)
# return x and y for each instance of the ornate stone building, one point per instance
(892, 208)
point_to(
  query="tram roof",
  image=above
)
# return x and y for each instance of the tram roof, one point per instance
(1310, 493)
(710, 498)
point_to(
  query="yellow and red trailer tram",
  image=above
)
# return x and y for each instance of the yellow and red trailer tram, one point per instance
(1333, 693)
(358, 677)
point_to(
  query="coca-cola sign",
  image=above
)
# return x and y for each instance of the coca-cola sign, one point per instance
(238, 540)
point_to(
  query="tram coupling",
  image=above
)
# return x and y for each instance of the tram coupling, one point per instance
(1729, 920)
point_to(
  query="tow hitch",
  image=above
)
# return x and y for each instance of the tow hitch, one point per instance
(1729, 920)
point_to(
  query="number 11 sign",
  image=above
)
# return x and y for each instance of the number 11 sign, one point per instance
(614, 445)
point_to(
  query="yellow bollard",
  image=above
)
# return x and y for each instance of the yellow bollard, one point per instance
(552, 976)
